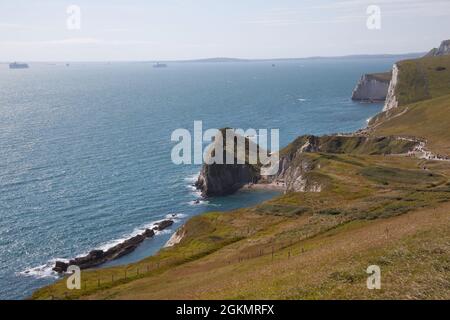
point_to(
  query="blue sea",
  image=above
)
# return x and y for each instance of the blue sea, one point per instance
(85, 150)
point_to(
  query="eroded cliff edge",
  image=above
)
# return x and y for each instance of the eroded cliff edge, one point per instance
(296, 168)
(443, 50)
(372, 87)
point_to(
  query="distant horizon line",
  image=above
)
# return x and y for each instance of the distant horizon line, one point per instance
(228, 59)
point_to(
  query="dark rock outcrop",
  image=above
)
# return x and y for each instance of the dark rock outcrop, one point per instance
(60, 266)
(98, 257)
(224, 179)
(295, 170)
(159, 226)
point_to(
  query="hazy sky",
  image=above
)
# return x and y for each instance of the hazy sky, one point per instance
(186, 29)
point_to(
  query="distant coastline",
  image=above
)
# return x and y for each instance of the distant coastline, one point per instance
(399, 56)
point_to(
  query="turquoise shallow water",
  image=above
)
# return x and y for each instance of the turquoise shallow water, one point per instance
(85, 149)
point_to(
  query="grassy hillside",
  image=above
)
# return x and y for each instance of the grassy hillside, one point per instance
(389, 210)
(382, 76)
(423, 93)
(423, 79)
(308, 237)
(352, 145)
(428, 119)
(411, 250)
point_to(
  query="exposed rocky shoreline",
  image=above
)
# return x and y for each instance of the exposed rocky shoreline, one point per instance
(98, 257)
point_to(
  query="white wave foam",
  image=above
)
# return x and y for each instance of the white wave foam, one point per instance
(198, 202)
(173, 216)
(176, 216)
(192, 178)
(194, 191)
(191, 187)
(302, 100)
(43, 271)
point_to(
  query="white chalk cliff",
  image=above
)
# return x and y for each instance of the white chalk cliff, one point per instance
(371, 88)
(391, 99)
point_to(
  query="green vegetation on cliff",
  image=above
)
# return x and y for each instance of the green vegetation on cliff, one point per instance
(423, 79)
(428, 120)
(233, 255)
(382, 76)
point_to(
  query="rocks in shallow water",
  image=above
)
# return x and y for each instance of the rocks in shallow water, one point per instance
(148, 233)
(159, 226)
(94, 258)
(98, 257)
(60, 266)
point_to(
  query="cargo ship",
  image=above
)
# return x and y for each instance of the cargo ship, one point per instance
(16, 65)
(160, 65)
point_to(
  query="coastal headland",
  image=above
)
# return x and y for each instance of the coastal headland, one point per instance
(379, 196)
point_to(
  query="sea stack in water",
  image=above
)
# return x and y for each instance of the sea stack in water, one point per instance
(372, 87)
(98, 257)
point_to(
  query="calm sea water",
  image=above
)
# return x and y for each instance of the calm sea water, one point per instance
(85, 149)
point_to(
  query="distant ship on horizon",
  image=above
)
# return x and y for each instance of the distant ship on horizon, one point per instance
(160, 65)
(16, 65)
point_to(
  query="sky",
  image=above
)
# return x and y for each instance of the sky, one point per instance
(136, 30)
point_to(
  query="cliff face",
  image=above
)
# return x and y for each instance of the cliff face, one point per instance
(372, 88)
(417, 76)
(297, 171)
(225, 179)
(391, 99)
(294, 173)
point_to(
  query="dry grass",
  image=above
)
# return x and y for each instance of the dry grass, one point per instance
(322, 242)
(413, 251)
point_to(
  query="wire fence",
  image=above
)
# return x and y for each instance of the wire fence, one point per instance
(276, 249)
(113, 277)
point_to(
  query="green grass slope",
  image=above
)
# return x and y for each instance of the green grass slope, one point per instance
(428, 119)
(423, 79)
(316, 242)
(423, 93)
(382, 76)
